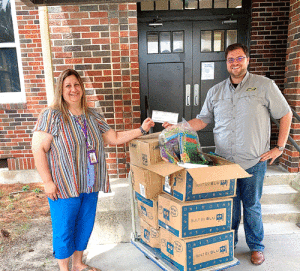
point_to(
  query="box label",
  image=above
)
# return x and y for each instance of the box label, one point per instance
(145, 159)
(142, 190)
(167, 186)
(166, 214)
(205, 219)
(210, 252)
(211, 187)
(154, 233)
(170, 248)
(146, 234)
(143, 210)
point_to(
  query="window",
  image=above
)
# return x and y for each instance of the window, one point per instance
(215, 41)
(189, 4)
(10, 73)
(165, 42)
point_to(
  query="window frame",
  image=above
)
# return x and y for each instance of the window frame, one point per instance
(14, 97)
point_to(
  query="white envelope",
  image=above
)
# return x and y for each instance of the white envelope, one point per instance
(162, 116)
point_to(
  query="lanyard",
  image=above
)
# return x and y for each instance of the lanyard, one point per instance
(90, 164)
(84, 130)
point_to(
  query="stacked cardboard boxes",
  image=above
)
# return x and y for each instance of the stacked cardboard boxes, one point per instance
(190, 209)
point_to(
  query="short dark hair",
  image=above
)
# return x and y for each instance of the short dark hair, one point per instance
(235, 46)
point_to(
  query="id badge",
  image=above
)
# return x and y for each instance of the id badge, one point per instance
(92, 157)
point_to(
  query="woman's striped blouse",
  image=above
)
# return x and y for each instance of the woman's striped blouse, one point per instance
(67, 157)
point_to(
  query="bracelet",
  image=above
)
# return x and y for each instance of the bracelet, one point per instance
(143, 131)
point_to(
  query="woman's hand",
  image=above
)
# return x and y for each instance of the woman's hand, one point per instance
(115, 138)
(51, 190)
(41, 143)
(147, 124)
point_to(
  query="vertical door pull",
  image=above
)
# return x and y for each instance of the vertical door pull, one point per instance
(188, 95)
(196, 94)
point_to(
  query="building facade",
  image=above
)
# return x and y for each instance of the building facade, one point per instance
(101, 41)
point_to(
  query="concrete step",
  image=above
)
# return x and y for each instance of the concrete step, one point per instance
(19, 176)
(277, 175)
(279, 194)
(277, 213)
(281, 228)
(277, 228)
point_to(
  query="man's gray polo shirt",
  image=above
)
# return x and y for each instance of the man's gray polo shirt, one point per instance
(242, 117)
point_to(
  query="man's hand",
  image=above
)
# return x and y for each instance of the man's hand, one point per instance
(167, 125)
(271, 154)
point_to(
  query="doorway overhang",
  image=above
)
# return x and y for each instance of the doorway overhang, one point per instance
(31, 3)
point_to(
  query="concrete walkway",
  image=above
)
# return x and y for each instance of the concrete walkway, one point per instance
(281, 253)
(282, 241)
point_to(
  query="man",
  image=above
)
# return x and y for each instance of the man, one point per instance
(241, 106)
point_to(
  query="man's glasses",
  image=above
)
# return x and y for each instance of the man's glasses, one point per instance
(238, 59)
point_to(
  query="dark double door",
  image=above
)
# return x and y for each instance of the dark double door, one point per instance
(180, 62)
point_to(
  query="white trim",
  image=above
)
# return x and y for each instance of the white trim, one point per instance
(14, 97)
(7, 45)
(46, 50)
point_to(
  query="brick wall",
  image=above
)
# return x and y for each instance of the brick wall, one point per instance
(268, 45)
(292, 84)
(17, 120)
(100, 42)
(269, 30)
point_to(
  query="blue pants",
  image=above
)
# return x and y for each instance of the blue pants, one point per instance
(72, 223)
(249, 191)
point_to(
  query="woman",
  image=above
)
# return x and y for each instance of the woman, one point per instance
(68, 148)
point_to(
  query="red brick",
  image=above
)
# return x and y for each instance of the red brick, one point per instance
(90, 22)
(99, 14)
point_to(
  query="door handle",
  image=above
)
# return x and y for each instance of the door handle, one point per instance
(196, 94)
(188, 95)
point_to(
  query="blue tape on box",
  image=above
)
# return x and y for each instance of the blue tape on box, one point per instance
(179, 266)
(167, 227)
(148, 202)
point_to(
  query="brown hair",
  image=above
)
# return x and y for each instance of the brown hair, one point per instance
(59, 103)
(235, 46)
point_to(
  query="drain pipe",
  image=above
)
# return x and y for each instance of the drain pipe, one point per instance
(46, 50)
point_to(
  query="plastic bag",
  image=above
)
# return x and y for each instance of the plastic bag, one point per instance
(169, 145)
(180, 143)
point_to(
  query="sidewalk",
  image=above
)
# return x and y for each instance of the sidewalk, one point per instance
(281, 253)
(282, 241)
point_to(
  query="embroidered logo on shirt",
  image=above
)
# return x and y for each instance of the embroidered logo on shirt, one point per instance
(251, 89)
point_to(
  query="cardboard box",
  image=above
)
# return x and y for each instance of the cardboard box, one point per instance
(149, 235)
(196, 253)
(188, 184)
(145, 182)
(147, 210)
(144, 151)
(184, 187)
(186, 219)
